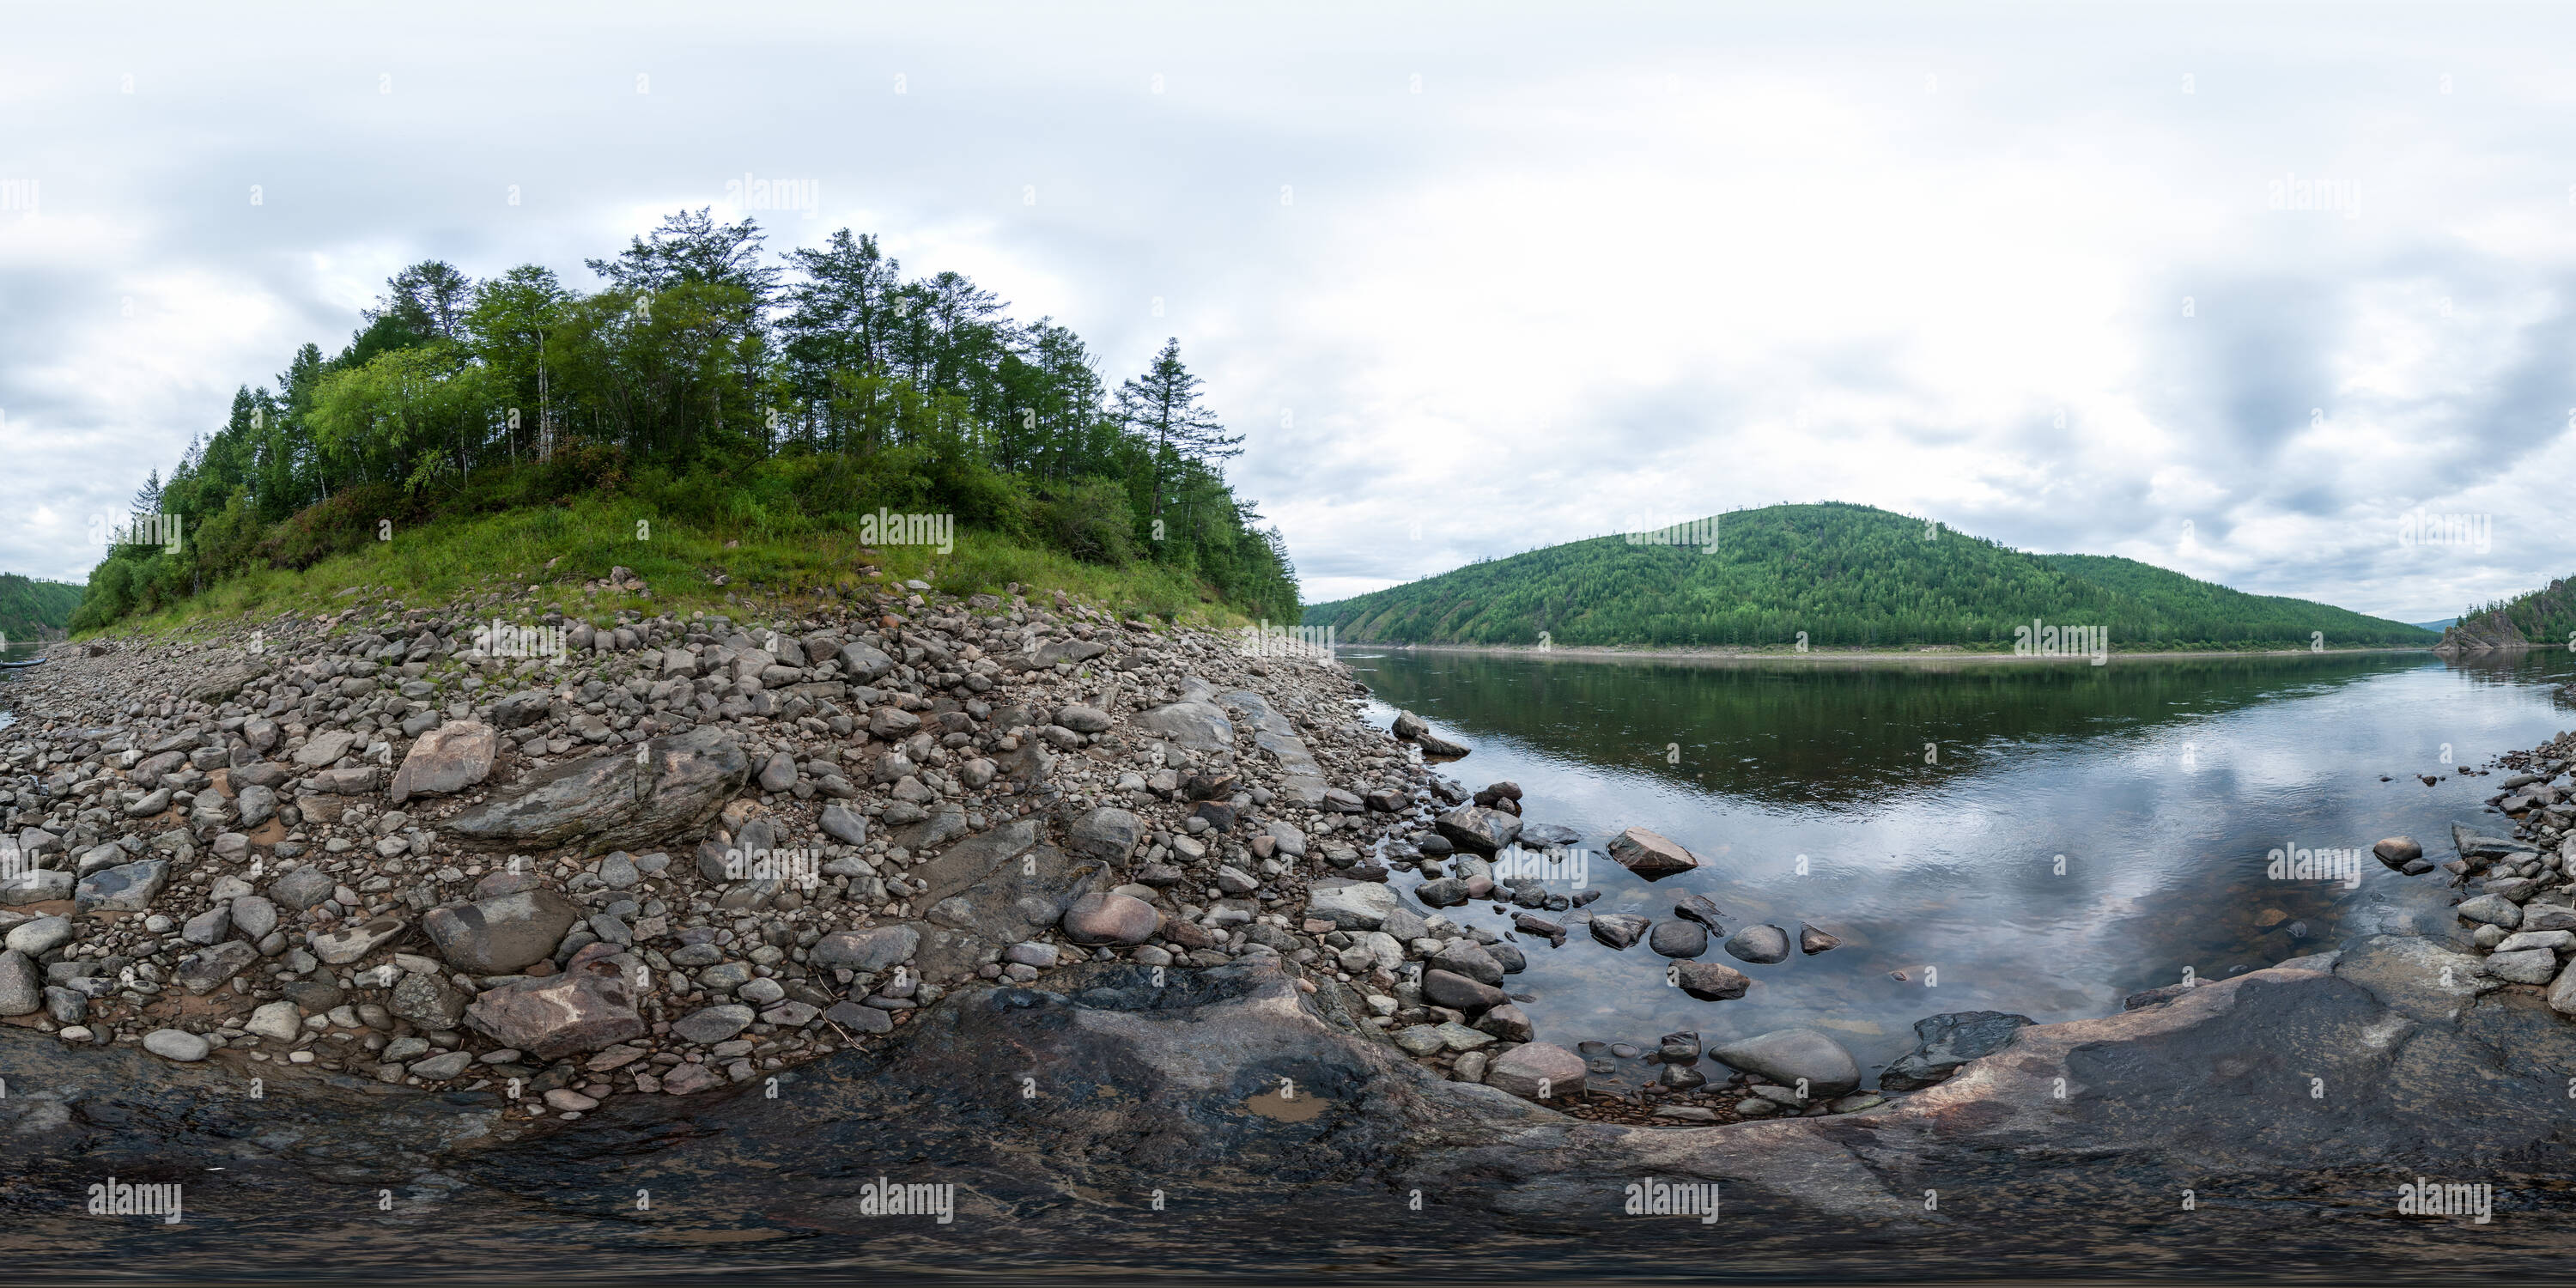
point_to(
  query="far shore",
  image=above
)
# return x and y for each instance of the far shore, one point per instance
(1940, 654)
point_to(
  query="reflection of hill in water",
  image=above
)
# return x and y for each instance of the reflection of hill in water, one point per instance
(1808, 733)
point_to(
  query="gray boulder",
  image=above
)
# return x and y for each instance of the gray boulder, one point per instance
(1761, 945)
(1197, 726)
(22, 987)
(503, 934)
(1785, 1056)
(710, 1025)
(582, 1009)
(1537, 1071)
(867, 950)
(125, 888)
(1649, 854)
(447, 759)
(1674, 937)
(621, 800)
(1106, 834)
(1473, 827)
(1350, 905)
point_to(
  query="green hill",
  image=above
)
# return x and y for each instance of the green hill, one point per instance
(2546, 616)
(29, 608)
(1845, 575)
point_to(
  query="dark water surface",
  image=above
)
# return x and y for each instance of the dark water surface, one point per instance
(2163, 784)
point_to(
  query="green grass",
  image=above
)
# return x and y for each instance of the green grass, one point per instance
(459, 558)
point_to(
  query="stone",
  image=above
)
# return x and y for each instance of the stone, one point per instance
(325, 747)
(1447, 988)
(583, 1009)
(1082, 719)
(1785, 1056)
(1537, 1071)
(1677, 938)
(1474, 827)
(779, 774)
(1711, 981)
(2398, 851)
(1620, 930)
(257, 805)
(300, 888)
(208, 969)
(35, 885)
(2527, 966)
(2555, 940)
(864, 664)
(1507, 1022)
(22, 986)
(844, 825)
(441, 1067)
(343, 946)
(500, 935)
(253, 917)
(128, 887)
(43, 935)
(280, 1021)
(1945, 1042)
(446, 760)
(1105, 918)
(867, 950)
(1197, 726)
(710, 1025)
(1650, 855)
(1419, 1040)
(2562, 993)
(629, 800)
(428, 1001)
(859, 1019)
(1106, 834)
(1812, 941)
(1446, 892)
(210, 926)
(2493, 909)
(1761, 945)
(177, 1044)
(1469, 958)
(1350, 905)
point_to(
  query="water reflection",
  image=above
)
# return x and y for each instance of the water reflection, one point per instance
(2072, 833)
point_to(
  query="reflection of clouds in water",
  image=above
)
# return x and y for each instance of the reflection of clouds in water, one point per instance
(2165, 852)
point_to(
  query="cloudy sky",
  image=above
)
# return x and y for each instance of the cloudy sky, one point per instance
(2253, 293)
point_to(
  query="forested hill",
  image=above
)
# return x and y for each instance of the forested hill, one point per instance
(1846, 575)
(30, 608)
(2541, 617)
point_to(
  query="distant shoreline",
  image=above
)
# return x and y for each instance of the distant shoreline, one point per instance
(1634, 653)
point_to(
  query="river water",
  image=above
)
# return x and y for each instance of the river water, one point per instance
(2040, 839)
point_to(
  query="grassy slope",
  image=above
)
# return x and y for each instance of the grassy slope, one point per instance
(27, 604)
(457, 558)
(1846, 575)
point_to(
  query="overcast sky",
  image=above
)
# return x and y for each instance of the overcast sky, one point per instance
(2231, 290)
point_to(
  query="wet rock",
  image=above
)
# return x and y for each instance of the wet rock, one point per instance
(1537, 1071)
(867, 950)
(1945, 1042)
(1469, 958)
(582, 1009)
(713, 1024)
(1107, 834)
(1812, 941)
(126, 888)
(1104, 918)
(1761, 945)
(500, 935)
(1650, 855)
(447, 759)
(1786, 1055)
(2399, 852)
(1506, 1022)
(1447, 892)
(2492, 909)
(612, 801)
(176, 1044)
(1711, 981)
(1620, 930)
(1677, 938)
(1476, 828)
(1447, 988)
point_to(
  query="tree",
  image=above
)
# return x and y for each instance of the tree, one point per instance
(148, 500)
(1163, 406)
(691, 247)
(507, 330)
(428, 299)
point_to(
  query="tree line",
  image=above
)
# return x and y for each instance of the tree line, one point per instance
(696, 354)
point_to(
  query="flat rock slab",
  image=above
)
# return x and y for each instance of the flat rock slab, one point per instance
(1651, 854)
(447, 759)
(582, 1009)
(627, 799)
